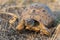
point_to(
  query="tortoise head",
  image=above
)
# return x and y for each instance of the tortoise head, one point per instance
(31, 22)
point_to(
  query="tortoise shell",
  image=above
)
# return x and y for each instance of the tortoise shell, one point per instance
(40, 13)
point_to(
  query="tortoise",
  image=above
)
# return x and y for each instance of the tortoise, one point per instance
(36, 17)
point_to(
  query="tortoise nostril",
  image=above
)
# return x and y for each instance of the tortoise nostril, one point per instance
(32, 22)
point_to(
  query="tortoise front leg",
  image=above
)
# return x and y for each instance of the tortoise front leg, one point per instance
(20, 26)
(44, 30)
